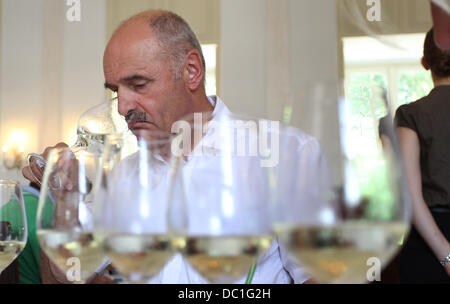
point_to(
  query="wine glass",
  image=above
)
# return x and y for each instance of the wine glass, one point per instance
(218, 198)
(340, 204)
(130, 216)
(94, 125)
(65, 213)
(13, 224)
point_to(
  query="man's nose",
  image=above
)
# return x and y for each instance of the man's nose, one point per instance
(126, 102)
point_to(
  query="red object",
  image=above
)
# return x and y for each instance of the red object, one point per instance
(441, 25)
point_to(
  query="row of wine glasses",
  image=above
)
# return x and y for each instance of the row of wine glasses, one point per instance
(220, 190)
(65, 213)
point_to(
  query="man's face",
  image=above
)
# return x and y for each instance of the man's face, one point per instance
(135, 68)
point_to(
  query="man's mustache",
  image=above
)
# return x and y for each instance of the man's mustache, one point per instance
(137, 116)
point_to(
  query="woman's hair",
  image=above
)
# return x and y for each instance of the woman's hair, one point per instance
(437, 59)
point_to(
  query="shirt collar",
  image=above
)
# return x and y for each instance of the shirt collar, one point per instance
(207, 146)
(219, 107)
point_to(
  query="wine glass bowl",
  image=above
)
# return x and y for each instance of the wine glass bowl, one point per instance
(218, 200)
(131, 218)
(13, 223)
(339, 214)
(98, 122)
(65, 219)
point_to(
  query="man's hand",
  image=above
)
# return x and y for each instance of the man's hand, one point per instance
(33, 172)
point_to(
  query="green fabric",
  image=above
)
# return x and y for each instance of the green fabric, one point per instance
(12, 213)
(29, 259)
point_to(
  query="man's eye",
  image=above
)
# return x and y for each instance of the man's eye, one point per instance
(139, 85)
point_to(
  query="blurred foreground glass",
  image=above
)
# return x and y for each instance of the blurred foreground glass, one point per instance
(131, 208)
(218, 198)
(94, 126)
(340, 203)
(65, 213)
(13, 224)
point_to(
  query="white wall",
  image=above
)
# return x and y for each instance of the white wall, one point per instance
(21, 70)
(283, 53)
(51, 69)
(268, 44)
(315, 73)
(21, 67)
(82, 69)
(243, 56)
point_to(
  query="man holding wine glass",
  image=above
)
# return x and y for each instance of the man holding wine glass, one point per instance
(155, 64)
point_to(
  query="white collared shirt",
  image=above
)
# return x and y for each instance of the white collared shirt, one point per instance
(275, 266)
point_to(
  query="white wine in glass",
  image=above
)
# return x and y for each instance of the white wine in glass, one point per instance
(139, 256)
(219, 199)
(65, 213)
(340, 203)
(131, 213)
(13, 223)
(98, 122)
(222, 259)
(342, 253)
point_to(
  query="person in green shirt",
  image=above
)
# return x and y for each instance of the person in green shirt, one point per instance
(29, 259)
(11, 213)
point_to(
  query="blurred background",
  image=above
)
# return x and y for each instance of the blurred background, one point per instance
(267, 58)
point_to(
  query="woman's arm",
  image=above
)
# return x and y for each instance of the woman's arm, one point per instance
(422, 219)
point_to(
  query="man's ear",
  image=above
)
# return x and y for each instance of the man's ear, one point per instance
(193, 71)
(425, 64)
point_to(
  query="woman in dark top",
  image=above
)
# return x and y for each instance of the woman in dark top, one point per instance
(424, 135)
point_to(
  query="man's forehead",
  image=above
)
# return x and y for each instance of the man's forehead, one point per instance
(120, 46)
(132, 54)
(134, 38)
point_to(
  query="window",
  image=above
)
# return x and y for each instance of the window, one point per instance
(393, 64)
(396, 57)
(412, 85)
(209, 52)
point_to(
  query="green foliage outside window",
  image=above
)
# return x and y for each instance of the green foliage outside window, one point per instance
(360, 95)
(413, 86)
